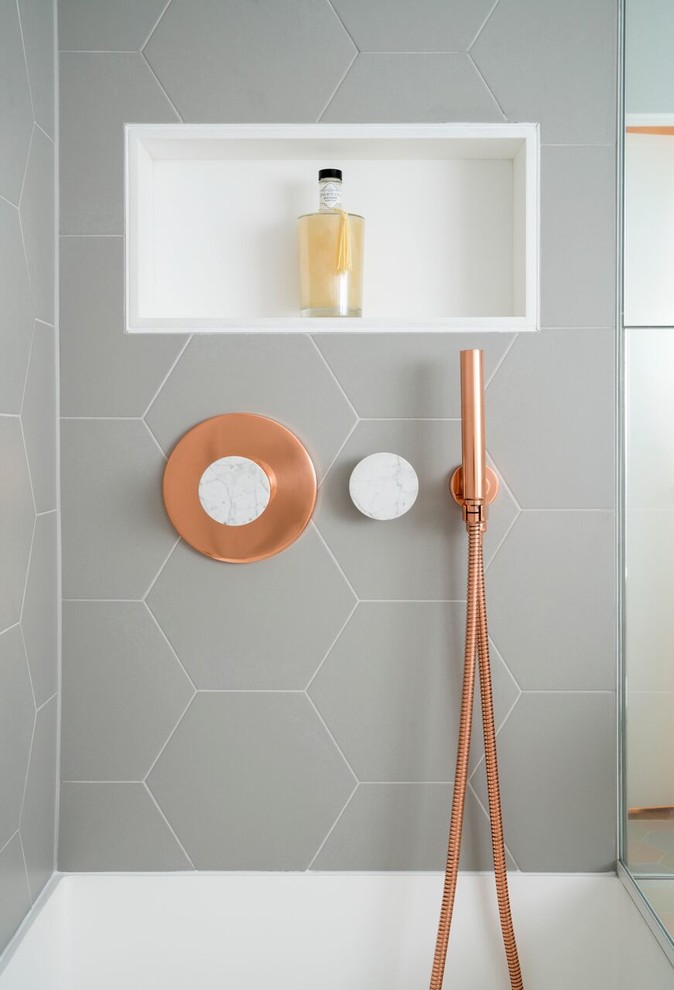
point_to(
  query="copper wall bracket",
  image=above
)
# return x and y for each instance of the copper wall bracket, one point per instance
(280, 454)
(474, 511)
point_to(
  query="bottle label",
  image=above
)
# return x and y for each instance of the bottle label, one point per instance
(330, 195)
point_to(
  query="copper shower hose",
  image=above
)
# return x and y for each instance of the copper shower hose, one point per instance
(477, 647)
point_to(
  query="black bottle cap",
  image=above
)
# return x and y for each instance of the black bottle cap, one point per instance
(329, 173)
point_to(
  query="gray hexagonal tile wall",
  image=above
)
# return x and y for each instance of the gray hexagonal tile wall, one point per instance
(123, 691)
(254, 59)
(100, 26)
(418, 374)
(16, 111)
(98, 95)
(104, 371)
(425, 26)
(420, 555)
(383, 88)
(115, 531)
(409, 656)
(251, 781)
(246, 754)
(284, 378)
(17, 310)
(403, 827)
(556, 453)
(36, 210)
(17, 715)
(38, 26)
(262, 626)
(536, 83)
(564, 613)
(16, 521)
(115, 826)
(557, 761)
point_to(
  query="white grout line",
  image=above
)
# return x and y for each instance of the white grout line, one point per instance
(25, 60)
(161, 87)
(159, 572)
(486, 814)
(167, 375)
(169, 826)
(48, 137)
(483, 24)
(156, 24)
(334, 559)
(338, 86)
(329, 732)
(333, 376)
(171, 647)
(332, 644)
(27, 375)
(334, 459)
(154, 439)
(10, 839)
(30, 754)
(9, 202)
(341, 21)
(45, 703)
(169, 738)
(500, 361)
(333, 827)
(25, 868)
(486, 85)
(30, 558)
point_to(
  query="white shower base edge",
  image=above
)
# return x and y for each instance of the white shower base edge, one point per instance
(330, 931)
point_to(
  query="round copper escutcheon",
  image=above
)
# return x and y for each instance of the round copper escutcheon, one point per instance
(283, 458)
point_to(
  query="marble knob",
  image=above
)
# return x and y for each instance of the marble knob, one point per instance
(234, 490)
(383, 486)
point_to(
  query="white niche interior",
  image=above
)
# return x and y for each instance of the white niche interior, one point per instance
(451, 211)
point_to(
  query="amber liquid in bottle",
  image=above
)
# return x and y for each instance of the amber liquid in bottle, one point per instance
(331, 254)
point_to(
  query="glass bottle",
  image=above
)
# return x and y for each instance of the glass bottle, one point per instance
(331, 253)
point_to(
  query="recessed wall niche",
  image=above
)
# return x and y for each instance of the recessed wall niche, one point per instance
(452, 218)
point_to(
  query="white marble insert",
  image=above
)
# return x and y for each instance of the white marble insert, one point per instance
(234, 490)
(383, 486)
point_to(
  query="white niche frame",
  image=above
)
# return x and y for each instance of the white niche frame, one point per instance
(193, 194)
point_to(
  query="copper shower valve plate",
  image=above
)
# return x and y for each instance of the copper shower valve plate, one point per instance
(283, 458)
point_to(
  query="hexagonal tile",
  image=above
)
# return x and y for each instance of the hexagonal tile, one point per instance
(557, 764)
(412, 87)
(16, 110)
(39, 616)
(404, 827)
(39, 806)
(17, 714)
(38, 25)
(224, 374)
(104, 371)
(123, 691)
(38, 415)
(16, 521)
(115, 532)
(426, 26)
(100, 26)
(251, 781)
(552, 594)
(254, 59)
(574, 107)
(14, 891)
(422, 554)
(37, 222)
(556, 453)
(411, 654)
(418, 374)
(98, 94)
(255, 626)
(17, 311)
(115, 827)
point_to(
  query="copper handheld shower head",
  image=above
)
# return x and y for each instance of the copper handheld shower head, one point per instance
(474, 485)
